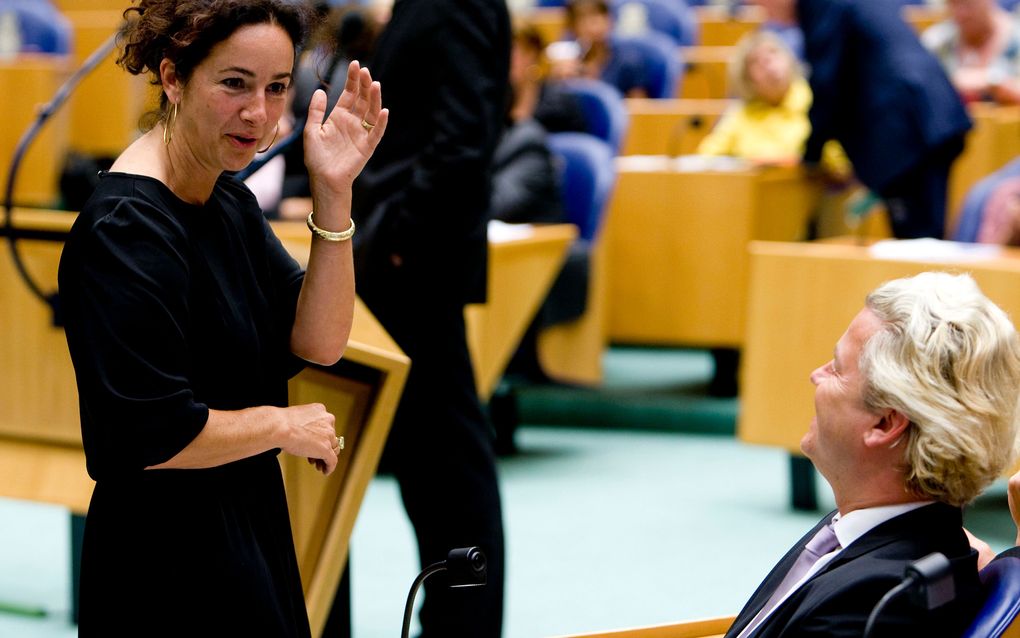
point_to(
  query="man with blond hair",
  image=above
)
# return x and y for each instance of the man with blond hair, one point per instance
(915, 415)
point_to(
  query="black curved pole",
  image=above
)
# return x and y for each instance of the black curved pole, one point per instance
(45, 113)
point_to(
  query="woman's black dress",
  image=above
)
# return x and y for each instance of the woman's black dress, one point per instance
(170, 310)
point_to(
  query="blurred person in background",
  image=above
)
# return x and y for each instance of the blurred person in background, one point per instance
(979, 46)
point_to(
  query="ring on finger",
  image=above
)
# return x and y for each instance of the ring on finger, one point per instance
(368, 127)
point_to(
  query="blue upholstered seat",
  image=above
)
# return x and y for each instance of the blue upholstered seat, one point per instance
(1001, 579)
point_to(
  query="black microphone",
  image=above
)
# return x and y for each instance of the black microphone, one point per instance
(928, 580)
(466, 567)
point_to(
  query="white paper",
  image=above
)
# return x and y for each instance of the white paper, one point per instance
(503, 232)
(934, 250)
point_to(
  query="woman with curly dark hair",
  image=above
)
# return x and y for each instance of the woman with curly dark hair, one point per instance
(185, 317)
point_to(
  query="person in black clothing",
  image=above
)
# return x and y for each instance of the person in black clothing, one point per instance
(185, 317)
(420, 255)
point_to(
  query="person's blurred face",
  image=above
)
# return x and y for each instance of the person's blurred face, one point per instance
(973, 17)
(769, 71)
(777, 10)
(592, 25)
(523, 59)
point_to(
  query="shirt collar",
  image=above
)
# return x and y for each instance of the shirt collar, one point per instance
(848, 528)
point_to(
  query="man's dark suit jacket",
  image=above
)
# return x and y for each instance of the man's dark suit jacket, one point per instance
(876, 89)
(838, 599)
(424, 194)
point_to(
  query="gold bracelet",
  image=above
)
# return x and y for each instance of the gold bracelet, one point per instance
(329, 235)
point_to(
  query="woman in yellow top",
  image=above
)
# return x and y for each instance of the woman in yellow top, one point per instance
(770, 123)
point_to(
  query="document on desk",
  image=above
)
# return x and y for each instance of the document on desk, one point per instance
(503, 232)
(934, 250)
(681, 163)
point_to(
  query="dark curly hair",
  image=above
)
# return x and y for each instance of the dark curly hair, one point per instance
(185, 31)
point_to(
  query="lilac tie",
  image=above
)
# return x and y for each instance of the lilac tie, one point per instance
(823, 542)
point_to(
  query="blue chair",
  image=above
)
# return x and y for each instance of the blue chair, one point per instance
(653, 60)
(1001, 580)
(41, 26)
(588, 175)
(973, 209)
(669, 17)
(604, 112)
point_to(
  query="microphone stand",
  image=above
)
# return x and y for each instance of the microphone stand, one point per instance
(45, 113)
(467, 567)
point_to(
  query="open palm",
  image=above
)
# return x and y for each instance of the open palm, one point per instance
(337, 147)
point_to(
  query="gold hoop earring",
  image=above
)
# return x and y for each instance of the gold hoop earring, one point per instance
(275, 133)
(168, 125)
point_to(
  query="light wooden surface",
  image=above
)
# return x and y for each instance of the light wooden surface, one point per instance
(801, 298)
(521, 271)
(572, 352)
(549, 21)
(922, 16)
(670, 127)
(40, 443)
(26, 83)
(677, 247)
(719, 28)
(706, 628)
(77, 5)
(705, 72)
(994, 141)
(106, 106)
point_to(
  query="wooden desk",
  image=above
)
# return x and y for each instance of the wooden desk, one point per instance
(994, 141)
(677, 247)
(670, 127)
(719, 28)
(107, 105)
(27, 82)
(705, 628)
(705, 72)
(66, 6)
(549, 21)
(801, 297)
(521, 270)
(40, 445)
(922, 16)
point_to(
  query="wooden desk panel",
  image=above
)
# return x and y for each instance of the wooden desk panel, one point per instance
(549, 21)
(670, 127)
(521, 271)
(705, 72)
(107, 105)
(41, 457)
(27, 82)
(719, 28)
(922, 16)
(994, 141)
(677, 244)
(801, 298)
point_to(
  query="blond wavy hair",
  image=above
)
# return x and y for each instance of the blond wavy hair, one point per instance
(949, 360)
(736, 70)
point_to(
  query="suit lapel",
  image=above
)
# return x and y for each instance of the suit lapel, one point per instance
(773, 580)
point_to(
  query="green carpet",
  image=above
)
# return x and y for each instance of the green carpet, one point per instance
(652, 389)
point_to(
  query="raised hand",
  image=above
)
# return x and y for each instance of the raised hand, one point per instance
(337, 147)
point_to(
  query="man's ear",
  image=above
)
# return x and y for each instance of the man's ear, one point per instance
(173, 86)
(888, 430)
